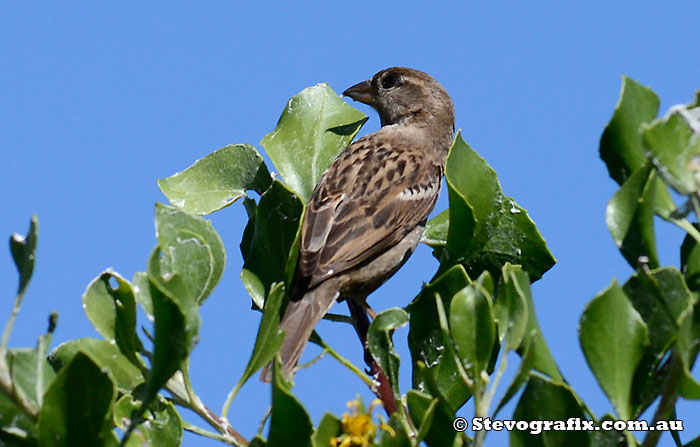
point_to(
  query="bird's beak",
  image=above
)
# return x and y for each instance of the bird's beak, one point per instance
(362, 92)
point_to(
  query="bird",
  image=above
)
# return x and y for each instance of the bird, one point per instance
(366, 215)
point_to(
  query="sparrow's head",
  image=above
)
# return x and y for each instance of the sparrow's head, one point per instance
(405, 96)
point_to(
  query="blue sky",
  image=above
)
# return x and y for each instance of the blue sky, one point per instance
(99, 100)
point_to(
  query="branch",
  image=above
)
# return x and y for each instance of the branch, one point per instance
(668, 398)
(183, 395)
(10, 323)
(343, 361)
(383, 389)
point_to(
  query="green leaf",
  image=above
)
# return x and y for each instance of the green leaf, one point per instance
(487, 228)
(161, 425)
(268, 240)
(613, 337)
(427, 341)
(463, 218)
(399, 437)
(123, 409)
(485, 281)
(688, 345)
(290, 266)
(31, 375)
(191, 248)
(436, 229)
(290, 425)
(511, 306)
(113, 311)
(690, 262)
(23, 249)
(515, 279)
(15, 425)
(176, 325)
(328, 428)
(662, 300)
(674, 148)
(694, 443)
(217, 180)
(544, 400)
(257, 441)
(105, 355)
(381, 346)
(269, 338)
(630, 218)
(314, 128)
(665, 207)
(661, 297)
(428, 412)
(472, 329)
(621, 144)
(44, 371)
(608, 438)
(77, 406)
(431, 417)
(142, 292)
(543, 360)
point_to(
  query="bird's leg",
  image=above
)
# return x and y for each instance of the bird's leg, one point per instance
(361, 322)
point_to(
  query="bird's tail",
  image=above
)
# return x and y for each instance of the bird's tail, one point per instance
(298, 323)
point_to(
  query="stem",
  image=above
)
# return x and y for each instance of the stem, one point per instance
(312, 361)
(6, 385)
(696, 205)
(384, 390)
(668, 398)
(221, 425)
(337, 317)
(688, 227)
(347, 363)
(8, 388)
(206, 433)
(483, 399)
(478, 411)
(264, 419)
(229, 401)
(9, 324)
(496, 379)
(188, 384)
(191, 400)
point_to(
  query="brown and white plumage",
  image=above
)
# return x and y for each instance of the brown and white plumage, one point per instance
(367, 213)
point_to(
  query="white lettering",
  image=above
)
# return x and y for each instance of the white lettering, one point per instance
(620, 425)
(535, 427)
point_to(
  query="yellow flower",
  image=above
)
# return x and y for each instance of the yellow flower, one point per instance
(358, 428)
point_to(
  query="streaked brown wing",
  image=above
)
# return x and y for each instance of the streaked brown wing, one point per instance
(367, 201)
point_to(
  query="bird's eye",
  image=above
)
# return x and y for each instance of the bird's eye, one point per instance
(391, 80)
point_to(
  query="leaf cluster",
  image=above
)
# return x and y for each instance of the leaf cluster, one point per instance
(466, 324)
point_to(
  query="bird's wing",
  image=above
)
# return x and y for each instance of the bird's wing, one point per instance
(376, 192)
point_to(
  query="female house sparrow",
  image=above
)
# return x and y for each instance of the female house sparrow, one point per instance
(368, 212)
